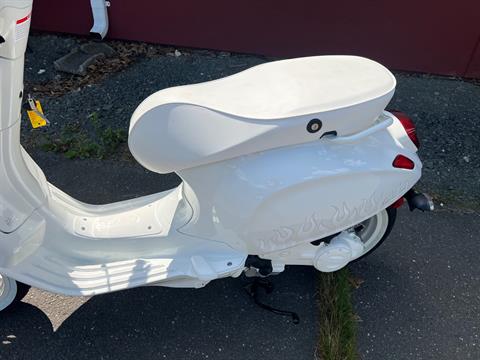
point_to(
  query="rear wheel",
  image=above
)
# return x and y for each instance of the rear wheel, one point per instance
(11, 292)
(375, 230)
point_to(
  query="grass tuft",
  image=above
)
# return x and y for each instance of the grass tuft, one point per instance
(74, 141)
(337, 319)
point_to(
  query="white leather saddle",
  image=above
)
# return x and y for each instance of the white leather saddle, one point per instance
(267, 106)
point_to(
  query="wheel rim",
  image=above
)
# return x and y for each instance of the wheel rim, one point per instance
(2, 286)
(8, 291)
(371, 231)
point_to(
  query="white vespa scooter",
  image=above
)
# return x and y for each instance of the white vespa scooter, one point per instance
(293, 162)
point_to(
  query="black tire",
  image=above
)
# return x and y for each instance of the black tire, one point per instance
(22, 291)
(392, 216)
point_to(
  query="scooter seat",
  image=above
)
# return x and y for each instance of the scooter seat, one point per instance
(264, 107)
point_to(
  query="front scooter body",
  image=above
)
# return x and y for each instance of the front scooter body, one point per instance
(271, 195)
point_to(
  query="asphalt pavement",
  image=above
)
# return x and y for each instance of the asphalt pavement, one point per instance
(217, 322)
(420, 298)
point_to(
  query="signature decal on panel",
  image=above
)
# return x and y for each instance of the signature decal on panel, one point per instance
(343, 216)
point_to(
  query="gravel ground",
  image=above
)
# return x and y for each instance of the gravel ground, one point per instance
(117, 97)
(42, 51)
(399, 294)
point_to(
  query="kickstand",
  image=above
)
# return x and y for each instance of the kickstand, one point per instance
(252, 290)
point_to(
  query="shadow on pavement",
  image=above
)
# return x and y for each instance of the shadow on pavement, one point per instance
(219, 321)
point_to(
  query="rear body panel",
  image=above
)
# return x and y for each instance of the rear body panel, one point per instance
(278, 199)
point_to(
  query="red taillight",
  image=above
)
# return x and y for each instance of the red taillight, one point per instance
(409, 127)
(402, 162)
(398, 203)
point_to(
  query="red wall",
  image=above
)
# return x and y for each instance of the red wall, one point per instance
(436, 36)
(473, 68)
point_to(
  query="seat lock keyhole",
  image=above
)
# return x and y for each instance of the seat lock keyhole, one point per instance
(314, 126)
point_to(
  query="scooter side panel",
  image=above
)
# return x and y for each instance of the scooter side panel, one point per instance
(280, 198)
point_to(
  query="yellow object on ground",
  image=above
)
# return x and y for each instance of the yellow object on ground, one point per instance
(36, 116)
